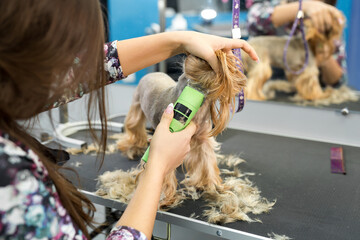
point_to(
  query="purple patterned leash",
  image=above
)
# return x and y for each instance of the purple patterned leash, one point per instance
(300, 15)
(236, 33)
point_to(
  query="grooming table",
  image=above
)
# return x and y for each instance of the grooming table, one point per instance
(282, 97)
(311, 202)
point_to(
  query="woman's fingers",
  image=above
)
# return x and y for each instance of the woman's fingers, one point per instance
(246, 47)
(227, 47)
(327, 21)
(322, 15)
(212, 59)
(205, 45)
(190, 129)
(336, 13)
(318, 22)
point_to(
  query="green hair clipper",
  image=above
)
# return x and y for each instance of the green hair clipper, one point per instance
(185, 108)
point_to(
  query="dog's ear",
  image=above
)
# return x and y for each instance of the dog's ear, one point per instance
(221, 86)
(230, 81)
(198, 70)
(322, 44)
(312, 35)
(336, 30)
(335, 33)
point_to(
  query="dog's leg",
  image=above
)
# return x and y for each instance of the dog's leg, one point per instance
(134, 141)
(257, 76)
(308, 86)
(202, 170)
(169, 197)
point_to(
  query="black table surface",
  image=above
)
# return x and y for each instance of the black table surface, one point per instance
(311, 202)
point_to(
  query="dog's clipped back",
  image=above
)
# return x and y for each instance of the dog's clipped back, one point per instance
(222, 86)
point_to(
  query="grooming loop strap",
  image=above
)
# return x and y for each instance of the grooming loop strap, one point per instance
(299, 16)
(236, 34)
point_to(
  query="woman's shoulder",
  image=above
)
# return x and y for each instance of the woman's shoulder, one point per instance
(30, 206)
(16, 159)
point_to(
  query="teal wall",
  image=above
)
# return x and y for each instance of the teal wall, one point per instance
(353, 47)
(129, 19)
(345, 7)
(351, 9)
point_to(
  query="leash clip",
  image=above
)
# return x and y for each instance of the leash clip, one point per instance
(300, 14)
(236, 33)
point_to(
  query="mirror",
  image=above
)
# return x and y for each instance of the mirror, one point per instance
(276, 91)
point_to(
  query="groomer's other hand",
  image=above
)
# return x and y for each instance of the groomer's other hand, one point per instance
(167, 149)
(205, 45)
(321, 14)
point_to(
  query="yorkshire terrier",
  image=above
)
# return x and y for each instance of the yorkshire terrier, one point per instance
(228, 199)
(156, 90)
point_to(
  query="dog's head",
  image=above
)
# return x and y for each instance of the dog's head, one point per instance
(221, 87)
(322, 44)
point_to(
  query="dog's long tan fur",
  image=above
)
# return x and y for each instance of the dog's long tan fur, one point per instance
(154, 92)
(270, 50)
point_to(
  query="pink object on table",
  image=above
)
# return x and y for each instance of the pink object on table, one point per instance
(337, 160)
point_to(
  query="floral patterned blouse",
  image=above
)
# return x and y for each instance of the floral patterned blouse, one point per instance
(30, 207)
(259, 23)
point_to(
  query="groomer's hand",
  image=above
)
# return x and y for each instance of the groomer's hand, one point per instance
(322, 14)
(205, 45)
(167, 149)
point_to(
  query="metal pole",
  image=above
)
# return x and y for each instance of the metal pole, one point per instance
(168, 233)
(63, 113)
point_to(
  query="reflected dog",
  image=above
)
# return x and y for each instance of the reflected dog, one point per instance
(270, 50)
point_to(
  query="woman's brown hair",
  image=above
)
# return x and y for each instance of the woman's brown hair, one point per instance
(48, 48)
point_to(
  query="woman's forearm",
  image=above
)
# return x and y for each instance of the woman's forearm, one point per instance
(331, 71)
(284, 13)
(141, 212)
(138, 53)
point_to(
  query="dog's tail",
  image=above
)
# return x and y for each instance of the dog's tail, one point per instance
(134, 141)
